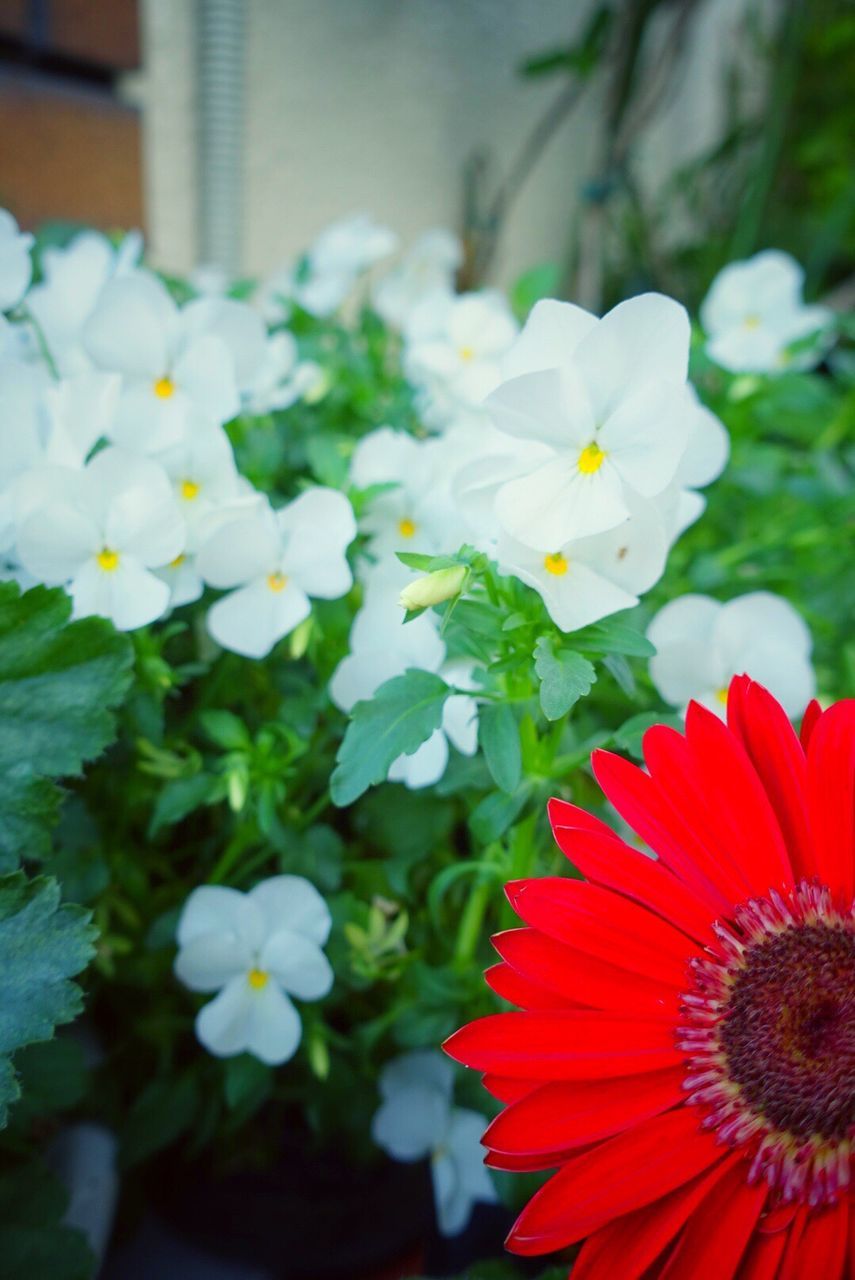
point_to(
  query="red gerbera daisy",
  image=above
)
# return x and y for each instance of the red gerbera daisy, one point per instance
(684, 1053)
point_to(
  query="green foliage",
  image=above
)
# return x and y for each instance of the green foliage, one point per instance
(500, 742)
(42, 946)
(33, 1242)
(402, 715)
(565, 677)
(58, 683)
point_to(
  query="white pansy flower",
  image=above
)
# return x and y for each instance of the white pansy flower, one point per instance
(417, 1119)
(707, 451)
(321, 281)
(382, 647)
(173, 362)
(276, 561)
(755, 311)
(701, 644)
(16, 266)
(101, 531)
(72, 280)
(453, 347)
(428, 266)
(256, 949)
(590, 578)
(417, 513)
(282, 378)
(605, 402)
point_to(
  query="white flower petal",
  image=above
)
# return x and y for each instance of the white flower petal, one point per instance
(214, 908)
(238, 327)
(553, 505)
(254, 618)
(551, 334)
(241, 549)
(205, 373)
(689, 617)
(647, 435)
(54, 541)
(298, 965)
(224, 1025)
(129, 595)
(318, 527)
(760, 613)
(464, 1144)
(131, 326)
(408, 1124)
(293, 903)
(211, 960)
(275, 1029)
(645, 339)
(550, 407)
(460, 723)
(424, 766)
(427, 1068)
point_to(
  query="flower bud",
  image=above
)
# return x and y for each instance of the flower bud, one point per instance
(435, 587)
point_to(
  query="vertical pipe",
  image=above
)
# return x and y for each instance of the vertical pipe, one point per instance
(220, 27)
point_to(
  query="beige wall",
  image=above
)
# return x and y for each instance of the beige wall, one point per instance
(377, 105)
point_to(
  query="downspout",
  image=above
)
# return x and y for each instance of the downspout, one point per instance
(220, 89)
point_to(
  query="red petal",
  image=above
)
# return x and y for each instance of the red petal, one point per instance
(523, 1164)
(628, 1246)
(559, 1117)
(581, 980)
(831, 798)
(506, 1089)
(574, 1045)
(634, 1169)
(777, 755)
(605, 925)
(613, 864)
(763, 1256)
(514, 988)
(716, 1237)
(789, 1268)
(738, 809)
(563, 814)
(821, 1252)
(649, 808)
(812, 713)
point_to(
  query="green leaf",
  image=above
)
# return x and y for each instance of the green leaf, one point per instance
(52, 1075)
(492, 816)
(499, 737)
(58, 683)
(403, 713)
(180, 797)
(33, 1242)
(42, 945)
(247, 1082)
(542, 281)
(226, 730)
(565, 677)
(163, 1111)
(611, 636)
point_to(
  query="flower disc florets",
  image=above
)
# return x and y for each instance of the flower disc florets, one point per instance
(770, 1032)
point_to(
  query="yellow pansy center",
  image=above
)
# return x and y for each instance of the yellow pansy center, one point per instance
(556, 564)
(189, 490)
(178, 561)
(108, 559)
(257, 979)
(406, 527)
(277, 581)
(466, 354)
(164, 388)
(721, 695)
(591, 459)
(752, 320)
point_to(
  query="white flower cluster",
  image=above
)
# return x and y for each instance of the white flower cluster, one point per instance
(118, 480)
(417, 1119)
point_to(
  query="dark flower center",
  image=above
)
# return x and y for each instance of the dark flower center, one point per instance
(789, 1030)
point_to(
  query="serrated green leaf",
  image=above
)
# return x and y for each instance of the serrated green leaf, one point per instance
(612, 636)
(28, 810)
(42, 946)
(565, 677)
(499, 737)
(58, 680)
(403, 714)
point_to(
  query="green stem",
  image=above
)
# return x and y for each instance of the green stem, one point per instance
(472, 920)
(242, 839)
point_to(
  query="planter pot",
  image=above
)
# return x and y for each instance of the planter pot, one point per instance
(312, 1219)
